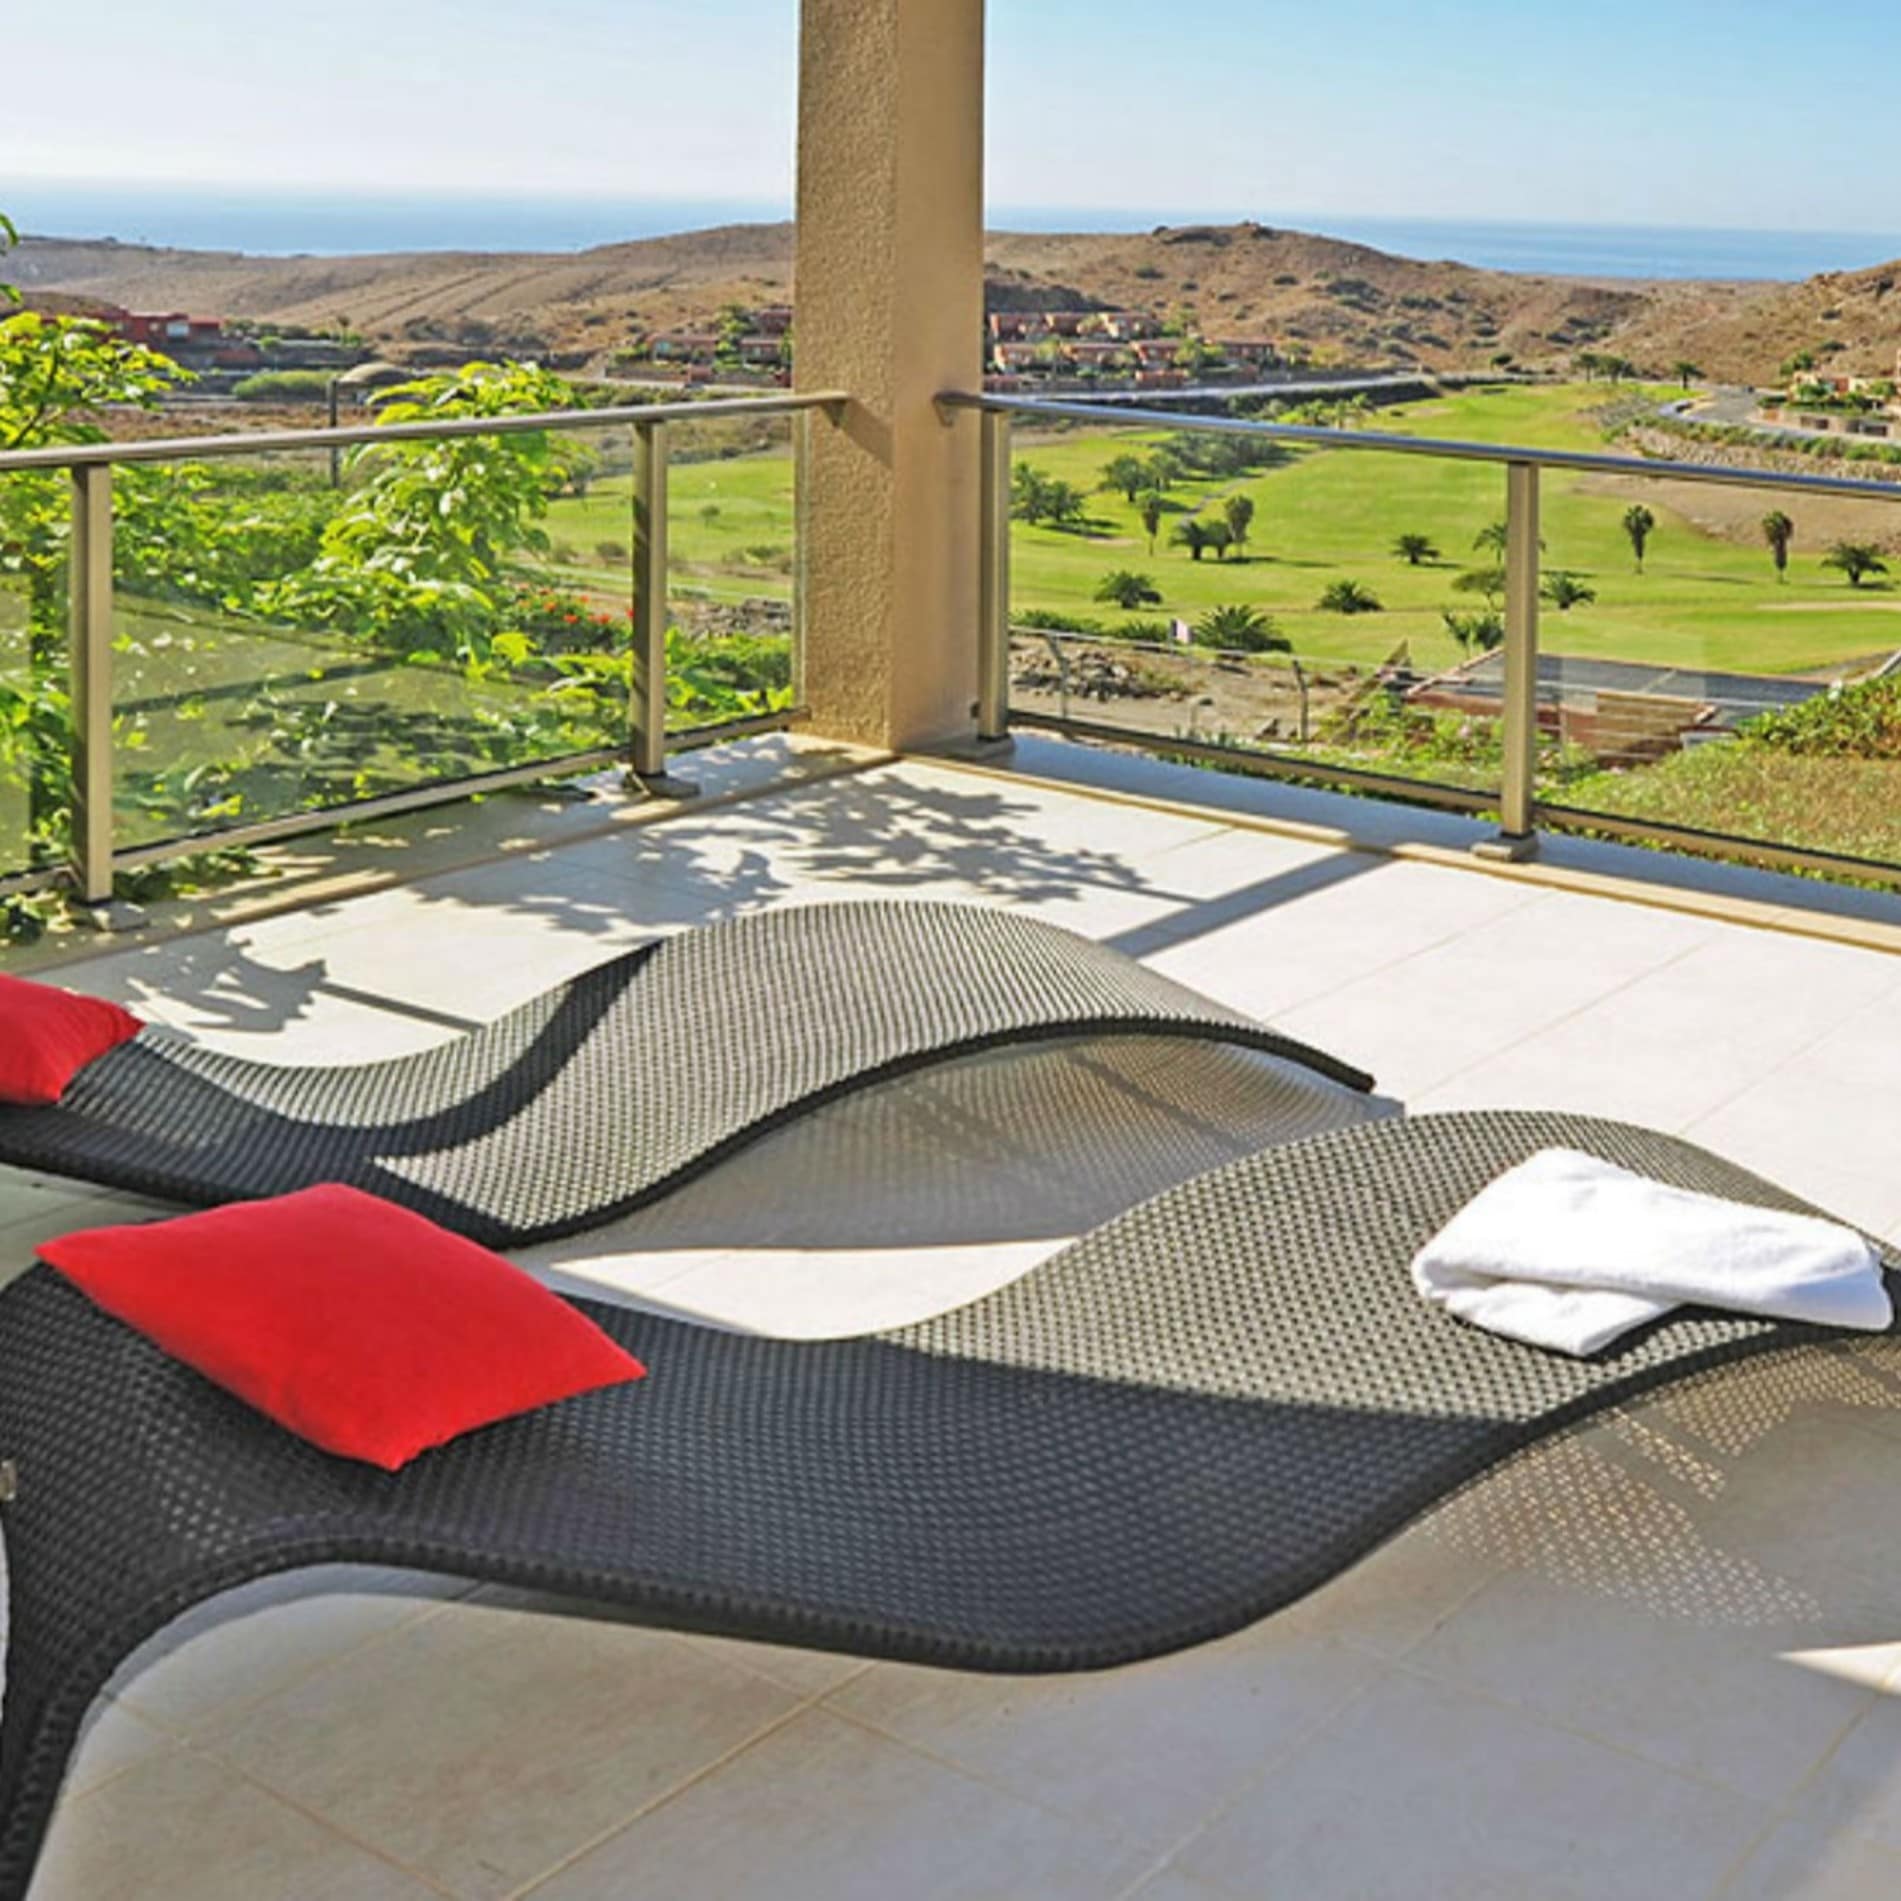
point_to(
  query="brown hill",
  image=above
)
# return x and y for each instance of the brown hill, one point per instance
(1849, 320)
(1342, 302)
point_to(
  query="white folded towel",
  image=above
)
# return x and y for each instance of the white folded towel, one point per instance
(1569, 1252)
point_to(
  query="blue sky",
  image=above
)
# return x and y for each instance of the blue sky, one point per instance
(1625, 111)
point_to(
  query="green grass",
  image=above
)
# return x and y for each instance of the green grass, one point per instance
(1704, 599)
(1328, 514)
(730, 526)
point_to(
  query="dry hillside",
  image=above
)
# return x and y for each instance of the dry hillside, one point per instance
(1343, 301)
(1850, 320)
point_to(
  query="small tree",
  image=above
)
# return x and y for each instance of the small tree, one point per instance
(1856, 559)
(1565, 591)
(1151, 506)
(1778, 531)
(1476, 633)
(56, 373)
(1487, 581)
(1348, 597)
(1639, 525)
(1414, 549)
(1239, 513)
(1036, 497)
(1238, 628)
(1193, 535)
(1220, 538)
(1127, 476)
(1686, 372)
(1126, 589)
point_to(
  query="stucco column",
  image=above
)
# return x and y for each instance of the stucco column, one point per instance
(889, 288)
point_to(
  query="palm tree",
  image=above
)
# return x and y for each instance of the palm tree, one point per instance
(1348, 597)
(1151, 506)
(1639, 524)
(1856, 559)
(1565, 591)
(1239, 511)
(1241, 629)
(1413, 549)
(1192, 535)
(1686, 372)
(1128, 590)
(1495, 538)
(1220, 537)
(1778, 531)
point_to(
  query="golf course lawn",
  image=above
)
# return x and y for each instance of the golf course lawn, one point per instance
(1325, 515)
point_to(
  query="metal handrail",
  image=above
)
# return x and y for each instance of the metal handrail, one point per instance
(96, 855)
(1516, 800)
(271, 441)
(1444, 449)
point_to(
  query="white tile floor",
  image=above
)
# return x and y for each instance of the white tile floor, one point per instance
(1662, 1660)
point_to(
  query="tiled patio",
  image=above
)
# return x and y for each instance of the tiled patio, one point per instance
(1659, 1660)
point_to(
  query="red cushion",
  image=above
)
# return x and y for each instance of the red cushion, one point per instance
(354, 1323)
(48, 1036)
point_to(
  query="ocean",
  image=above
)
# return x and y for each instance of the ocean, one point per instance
(286, 223)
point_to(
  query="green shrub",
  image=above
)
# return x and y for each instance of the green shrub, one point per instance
(283, 386)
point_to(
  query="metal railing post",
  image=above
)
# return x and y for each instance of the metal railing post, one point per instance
(647, 683)
(1518, 788)
(90, 588)
(993, 610)
(802, 451)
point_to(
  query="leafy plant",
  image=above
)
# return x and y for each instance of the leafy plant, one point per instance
(1194, 535)
(1238, 628)
(1238, 513)
(1565, 591)
(1126, 589)
(1414, 550)
(1856, 559)
(1639, 524)
(416, 556)
(1348, 597)
(1151, 507)
(1778, 531)
(1036, 497)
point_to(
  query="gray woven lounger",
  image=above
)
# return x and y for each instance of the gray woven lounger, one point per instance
(1180, 1423)
(606, 1093)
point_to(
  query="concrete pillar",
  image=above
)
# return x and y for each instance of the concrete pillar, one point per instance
(889, 285)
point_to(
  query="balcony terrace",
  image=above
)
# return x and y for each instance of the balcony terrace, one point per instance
(1658, 1658)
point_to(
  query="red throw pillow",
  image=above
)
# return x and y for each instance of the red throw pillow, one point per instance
(354, 1323)
(48, 1036)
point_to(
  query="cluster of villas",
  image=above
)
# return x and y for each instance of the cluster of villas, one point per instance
(756, 344)
(208, 346)
(1028, 348)
(1846, 405)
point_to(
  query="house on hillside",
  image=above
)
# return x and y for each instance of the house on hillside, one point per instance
(683, 346)
(1255, 353)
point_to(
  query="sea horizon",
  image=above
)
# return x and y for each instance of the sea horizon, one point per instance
(288, 223)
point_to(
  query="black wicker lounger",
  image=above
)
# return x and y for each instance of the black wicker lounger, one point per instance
(1182, 1422)
(606, 1093)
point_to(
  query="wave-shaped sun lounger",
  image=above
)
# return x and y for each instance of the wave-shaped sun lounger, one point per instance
(1182, 1422)
(611, 1090)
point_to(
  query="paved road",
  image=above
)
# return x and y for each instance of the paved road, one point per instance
(1738, 406)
